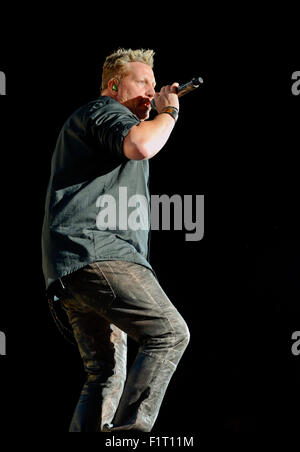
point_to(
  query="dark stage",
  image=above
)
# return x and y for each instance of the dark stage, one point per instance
(236, 142)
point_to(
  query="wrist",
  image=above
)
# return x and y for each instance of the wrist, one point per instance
(172, 111)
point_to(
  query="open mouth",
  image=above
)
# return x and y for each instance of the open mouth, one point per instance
(146, 103)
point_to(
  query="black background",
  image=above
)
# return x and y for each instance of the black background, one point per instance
(236, 142)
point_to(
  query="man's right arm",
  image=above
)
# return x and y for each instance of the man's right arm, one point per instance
(147, 138)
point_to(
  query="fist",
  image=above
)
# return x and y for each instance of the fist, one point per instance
(167, 97)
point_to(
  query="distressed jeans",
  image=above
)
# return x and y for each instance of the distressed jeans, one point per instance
(107, 301)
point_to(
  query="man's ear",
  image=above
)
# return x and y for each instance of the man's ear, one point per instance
(113, 85)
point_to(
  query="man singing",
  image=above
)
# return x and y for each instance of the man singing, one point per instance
(102, 276)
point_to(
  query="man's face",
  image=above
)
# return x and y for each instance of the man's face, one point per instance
(136, 89)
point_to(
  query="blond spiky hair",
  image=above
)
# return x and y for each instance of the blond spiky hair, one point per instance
(115, 64)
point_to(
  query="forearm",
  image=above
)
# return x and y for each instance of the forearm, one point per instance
(148, 138)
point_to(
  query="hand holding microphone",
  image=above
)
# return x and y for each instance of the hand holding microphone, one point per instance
(166, 101)
(180, 90)
(166, 97)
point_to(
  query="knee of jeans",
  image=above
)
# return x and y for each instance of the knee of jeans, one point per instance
(182, 335)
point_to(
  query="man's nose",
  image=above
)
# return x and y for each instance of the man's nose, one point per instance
(150, 92)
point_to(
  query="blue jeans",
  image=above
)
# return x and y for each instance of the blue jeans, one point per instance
(107, 301)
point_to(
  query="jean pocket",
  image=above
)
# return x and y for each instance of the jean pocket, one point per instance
(90, 288)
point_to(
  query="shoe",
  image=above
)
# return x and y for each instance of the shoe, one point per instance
(107, 427)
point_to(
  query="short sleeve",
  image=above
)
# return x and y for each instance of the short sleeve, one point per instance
(109, 123)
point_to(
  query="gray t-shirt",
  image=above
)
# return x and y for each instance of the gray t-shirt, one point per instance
(90, 173)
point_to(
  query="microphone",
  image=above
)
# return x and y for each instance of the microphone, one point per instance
(184, 89)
